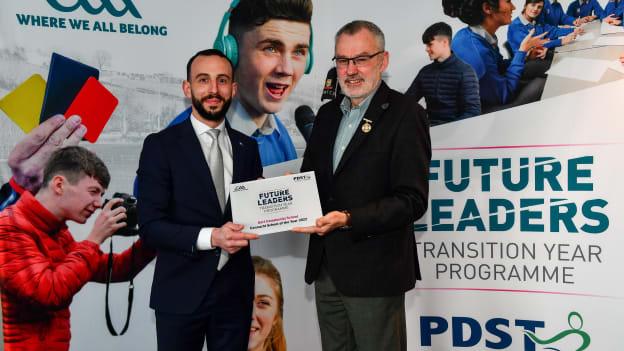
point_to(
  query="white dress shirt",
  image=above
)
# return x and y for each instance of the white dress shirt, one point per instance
(205, 140)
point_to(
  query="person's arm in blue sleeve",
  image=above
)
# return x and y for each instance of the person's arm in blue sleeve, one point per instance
(515, 34)
(553, 44)
(559, 17)
(555, 34)
(598, 10)
(497, 88)
(565, 20)
(619, 10)
(572, 9)
(610, 9)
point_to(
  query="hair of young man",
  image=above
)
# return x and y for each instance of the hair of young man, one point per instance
(356, 26)
(468, 11)
(439, 29)
(249, 14)
(207, 52)
(75, 162)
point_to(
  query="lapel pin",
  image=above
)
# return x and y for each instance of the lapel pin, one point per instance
(385, 106)
(367, 126)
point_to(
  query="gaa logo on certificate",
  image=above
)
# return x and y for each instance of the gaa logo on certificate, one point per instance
(239, 188)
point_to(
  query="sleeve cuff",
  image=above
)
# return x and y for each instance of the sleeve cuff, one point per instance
(18, 188)
(204, 239)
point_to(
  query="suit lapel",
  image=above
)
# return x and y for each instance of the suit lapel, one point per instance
(191, 149)
(238, 153)
(238, 166)
(376, 108)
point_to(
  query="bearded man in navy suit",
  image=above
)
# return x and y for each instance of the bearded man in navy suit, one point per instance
(204, 279)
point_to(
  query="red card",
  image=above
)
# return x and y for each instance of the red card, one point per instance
(95, 105)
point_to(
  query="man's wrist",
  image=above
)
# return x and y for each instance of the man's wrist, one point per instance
(347, 221)
(204, 239)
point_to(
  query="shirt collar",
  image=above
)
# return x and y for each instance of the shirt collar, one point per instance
(524, 20)
(200, 128)
(345, 105)
(479, 30)
(239, 119)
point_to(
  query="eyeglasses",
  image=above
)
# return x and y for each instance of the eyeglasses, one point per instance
(358, 61)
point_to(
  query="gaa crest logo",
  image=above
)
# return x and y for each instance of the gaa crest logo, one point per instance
(96, 10)
(240, 188)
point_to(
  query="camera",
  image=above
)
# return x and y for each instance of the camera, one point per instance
(132, 222)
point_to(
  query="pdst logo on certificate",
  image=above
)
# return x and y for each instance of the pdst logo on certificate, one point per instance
(276, 204)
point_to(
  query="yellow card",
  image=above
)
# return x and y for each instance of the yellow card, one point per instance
(23, 105)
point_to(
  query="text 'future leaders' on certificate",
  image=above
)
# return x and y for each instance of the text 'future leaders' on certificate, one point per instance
(277, 204)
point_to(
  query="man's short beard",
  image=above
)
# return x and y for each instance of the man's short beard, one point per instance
(211, 116)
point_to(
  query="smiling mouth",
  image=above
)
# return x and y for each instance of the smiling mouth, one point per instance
(354, 81)
(211, 101)
(276, 90)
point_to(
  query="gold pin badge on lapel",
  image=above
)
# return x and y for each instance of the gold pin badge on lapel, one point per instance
(367, 126)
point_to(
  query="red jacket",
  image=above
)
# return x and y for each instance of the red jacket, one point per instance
(42, 268)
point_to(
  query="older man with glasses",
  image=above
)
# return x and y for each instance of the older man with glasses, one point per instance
(371, 152)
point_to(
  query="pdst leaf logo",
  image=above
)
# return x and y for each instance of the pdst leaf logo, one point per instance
(573, 318)
(104, 5)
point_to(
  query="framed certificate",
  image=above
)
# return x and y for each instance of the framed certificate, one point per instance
(277, 204)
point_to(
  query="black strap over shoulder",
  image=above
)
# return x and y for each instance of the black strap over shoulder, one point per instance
(109, 274)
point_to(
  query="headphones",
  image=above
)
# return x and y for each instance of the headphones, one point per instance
(228, 46)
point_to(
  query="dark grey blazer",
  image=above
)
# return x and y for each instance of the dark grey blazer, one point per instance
(382, 179)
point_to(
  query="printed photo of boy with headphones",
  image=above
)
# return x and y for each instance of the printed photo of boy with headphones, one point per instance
(270, 44)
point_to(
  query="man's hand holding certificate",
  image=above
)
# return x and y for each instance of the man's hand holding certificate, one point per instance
(276, 204)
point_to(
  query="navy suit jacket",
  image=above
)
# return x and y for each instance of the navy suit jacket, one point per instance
(176, 199)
